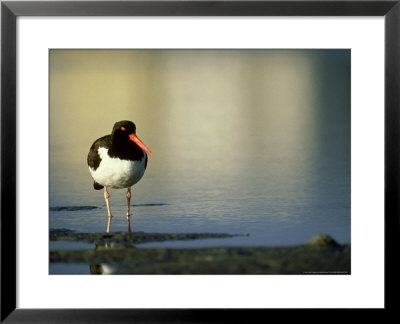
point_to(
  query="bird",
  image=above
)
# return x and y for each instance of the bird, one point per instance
(118, 160)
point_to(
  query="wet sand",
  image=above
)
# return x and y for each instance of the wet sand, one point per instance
(115, 253)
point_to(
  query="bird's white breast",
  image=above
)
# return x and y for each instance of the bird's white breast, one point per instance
(117, 173)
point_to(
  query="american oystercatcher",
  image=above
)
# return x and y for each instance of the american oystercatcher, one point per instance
(118, 161)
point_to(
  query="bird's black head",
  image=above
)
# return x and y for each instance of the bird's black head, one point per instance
(124, 138)
(123, 128)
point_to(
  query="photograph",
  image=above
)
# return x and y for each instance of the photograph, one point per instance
(199, 161)
(216, 159)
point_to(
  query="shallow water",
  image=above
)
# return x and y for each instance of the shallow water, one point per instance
(244, 142)
(67, 268)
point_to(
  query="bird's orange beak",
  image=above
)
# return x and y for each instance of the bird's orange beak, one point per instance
(139, 143)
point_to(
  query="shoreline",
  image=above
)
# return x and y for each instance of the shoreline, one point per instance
(115, 253)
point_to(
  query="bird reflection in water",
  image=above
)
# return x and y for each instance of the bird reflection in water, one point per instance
(108, 268)
(128, 214)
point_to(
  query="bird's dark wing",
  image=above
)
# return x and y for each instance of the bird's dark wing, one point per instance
(97, 186)
(145, 165)
(93, 158)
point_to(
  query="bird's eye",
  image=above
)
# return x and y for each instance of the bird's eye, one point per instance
(123, 128)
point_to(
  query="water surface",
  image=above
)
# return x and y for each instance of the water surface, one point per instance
(243, 141)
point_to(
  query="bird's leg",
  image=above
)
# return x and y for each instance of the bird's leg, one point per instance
(128, 210)
(106, 197)
(128, 199)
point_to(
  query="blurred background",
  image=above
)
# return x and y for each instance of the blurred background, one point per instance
(243, 141)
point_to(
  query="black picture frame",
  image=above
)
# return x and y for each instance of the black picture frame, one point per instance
(10, 10)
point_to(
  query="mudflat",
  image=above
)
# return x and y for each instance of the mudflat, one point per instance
(120, 253)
